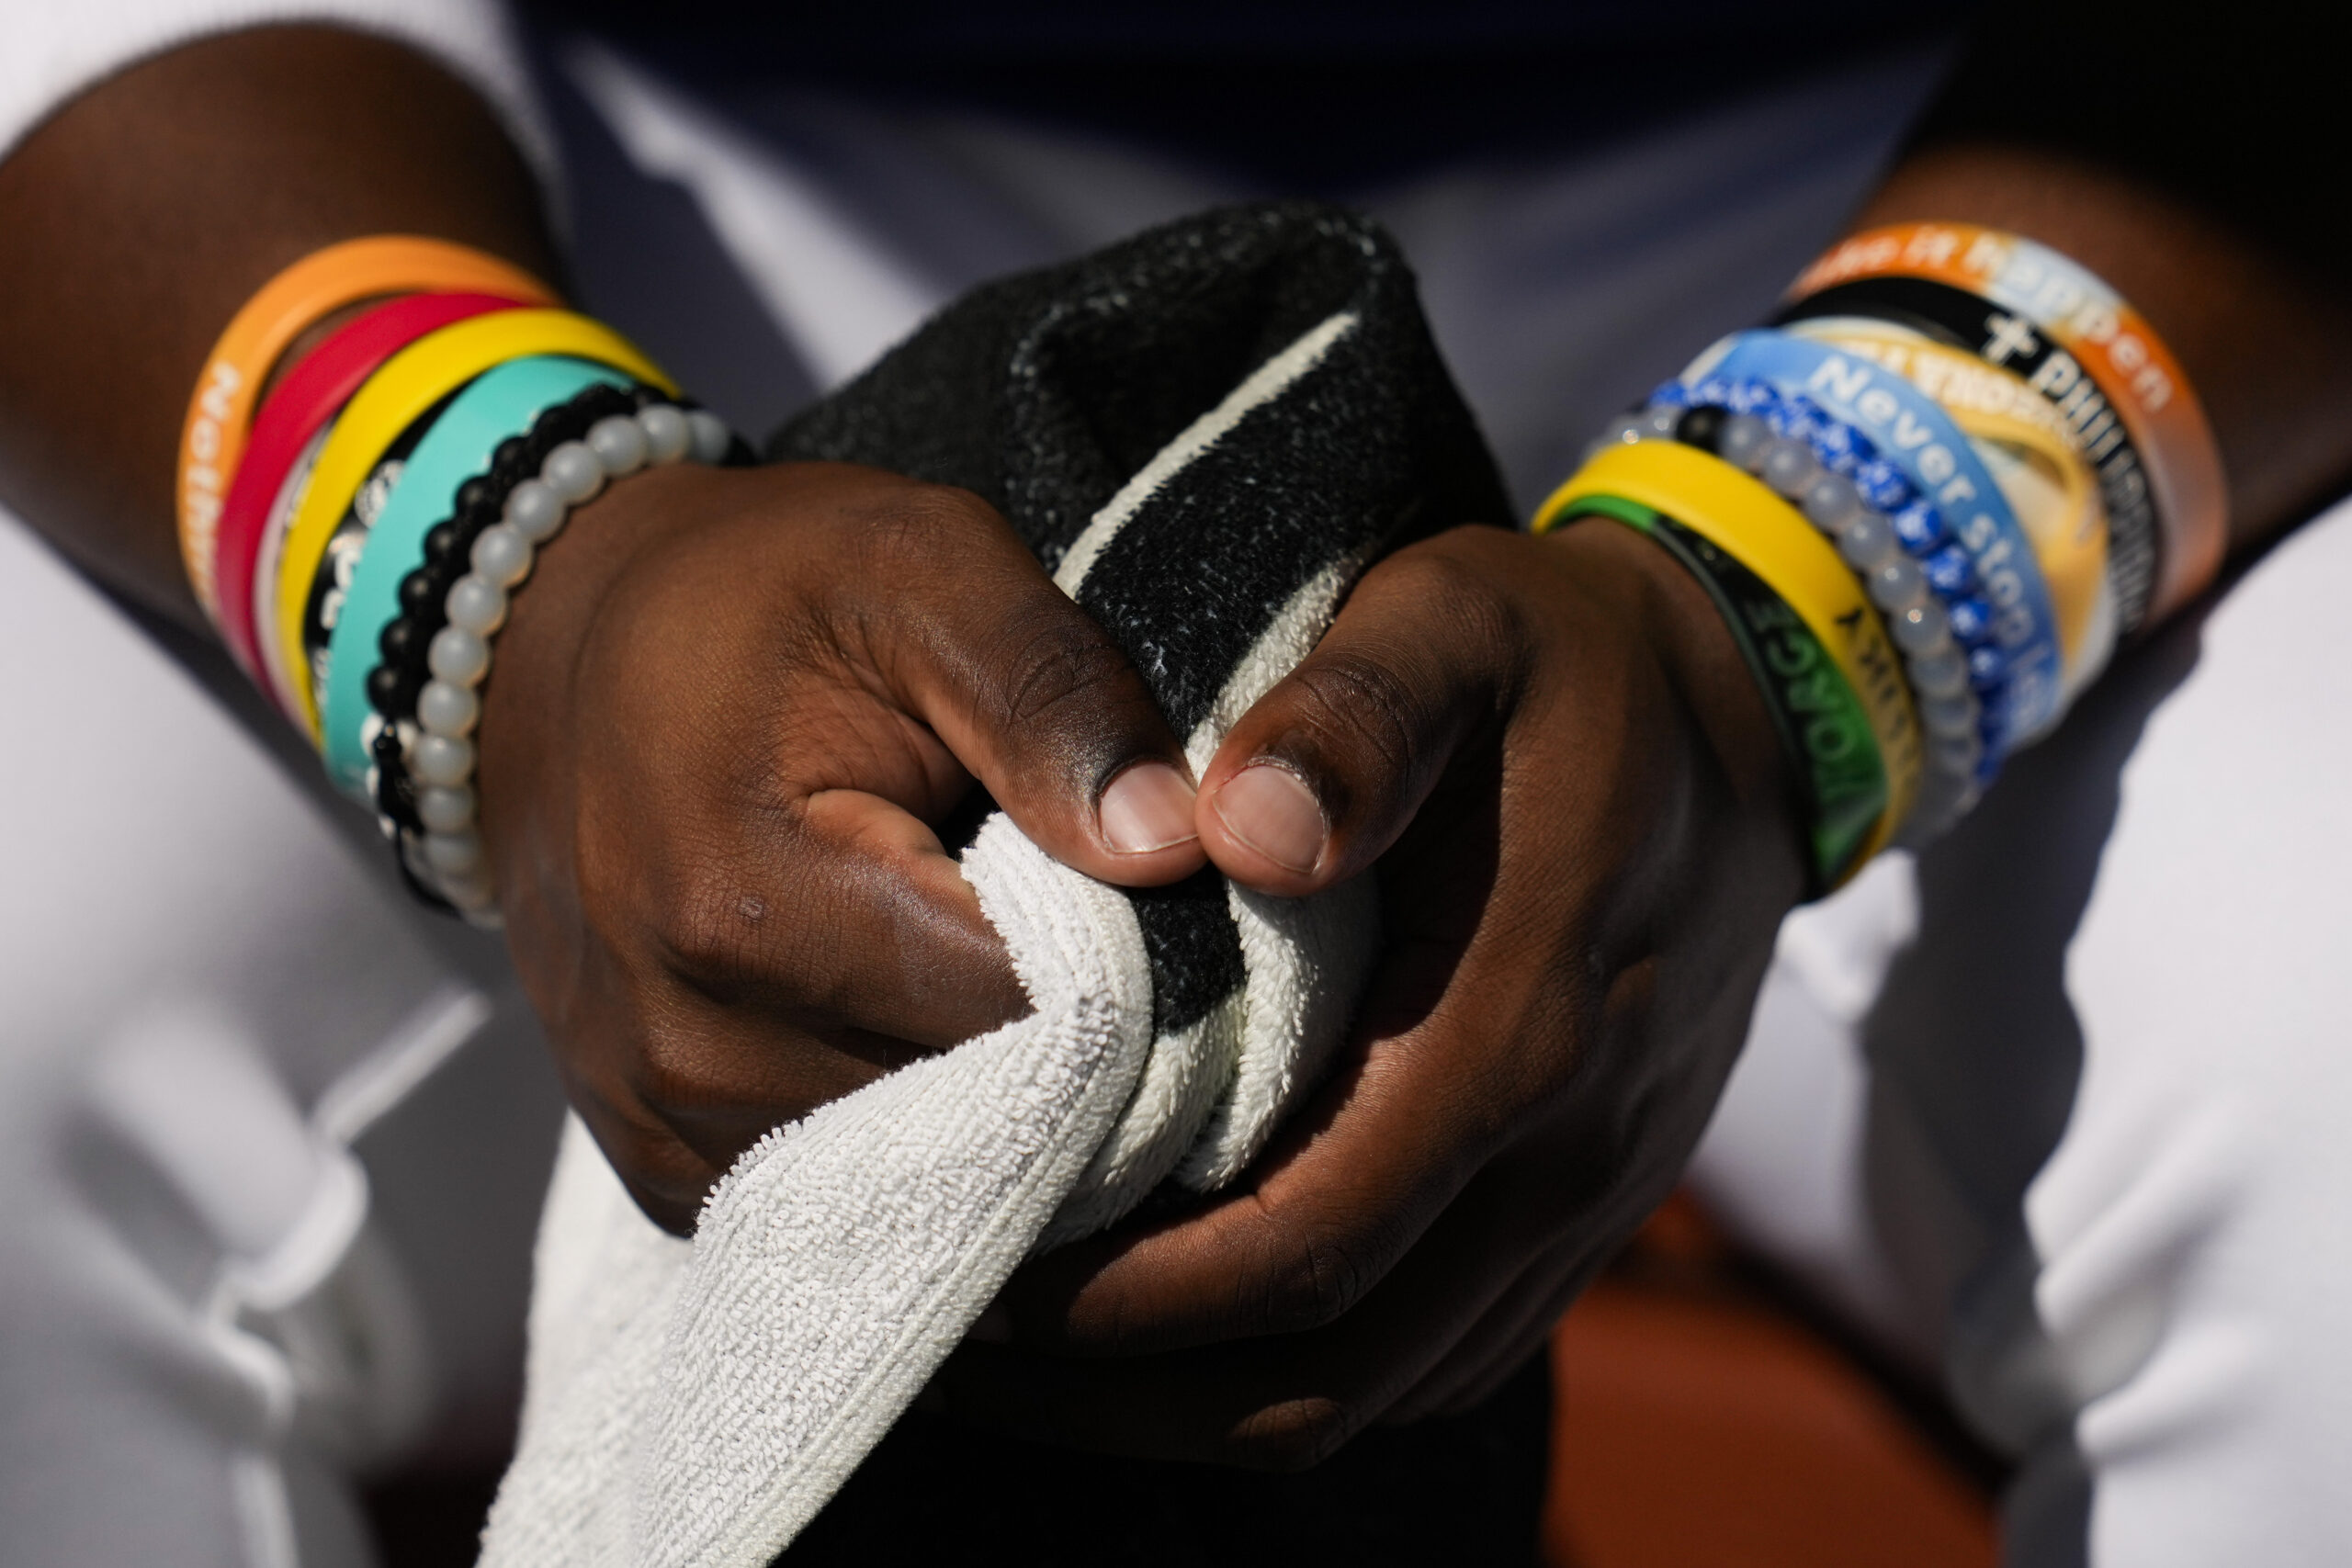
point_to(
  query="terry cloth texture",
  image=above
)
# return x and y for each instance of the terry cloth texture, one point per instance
(1206, 433)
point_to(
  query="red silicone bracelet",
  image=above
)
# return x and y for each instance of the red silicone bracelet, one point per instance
(309, 396)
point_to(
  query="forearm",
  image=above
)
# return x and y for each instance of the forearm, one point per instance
(145, 212)
(2269, 352)
(2173, 156)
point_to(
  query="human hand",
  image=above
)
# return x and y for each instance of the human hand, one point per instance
(1553, 757)
(726, 715)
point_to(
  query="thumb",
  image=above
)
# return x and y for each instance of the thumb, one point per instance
(1034, 699)
(1320, 777)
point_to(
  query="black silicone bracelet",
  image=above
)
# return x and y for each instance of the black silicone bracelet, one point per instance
(2008, 342)
(1821, 725)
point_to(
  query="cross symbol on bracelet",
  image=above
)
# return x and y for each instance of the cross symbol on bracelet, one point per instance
(2011, 335)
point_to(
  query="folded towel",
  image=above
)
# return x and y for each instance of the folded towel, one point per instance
(1206, 433)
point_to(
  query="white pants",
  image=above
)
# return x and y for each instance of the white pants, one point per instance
(207, 1000)
(2067, 1109)
(2061, 1112)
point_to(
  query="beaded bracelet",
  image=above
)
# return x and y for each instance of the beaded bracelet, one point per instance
(405, 387)
(462, 443)
(1921, 467)
(391, 440)
(2036, 462)
(1921, 583)
(421, 734)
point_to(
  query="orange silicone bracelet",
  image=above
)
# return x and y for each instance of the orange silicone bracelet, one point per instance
(2111, 343)
(219, 414)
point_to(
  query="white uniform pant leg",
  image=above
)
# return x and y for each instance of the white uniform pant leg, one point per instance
(2150, 1309)
(202, 998)
(2198, 1265)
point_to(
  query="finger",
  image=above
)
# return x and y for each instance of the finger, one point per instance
(1348, 1187)
(666, 1180)
(676, 1086)
(1027, 690)
(1322, 774)
(1518, 1324)
(1503, 1363)
(1562, 1255)
(1280, 1402)
(837, 915)
(1345, 1192)
(764, 841)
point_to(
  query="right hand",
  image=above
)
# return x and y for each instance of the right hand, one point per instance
(727, 711)
(1552, 756)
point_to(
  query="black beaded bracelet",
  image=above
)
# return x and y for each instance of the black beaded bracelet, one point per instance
(332, 579)
(403, 684)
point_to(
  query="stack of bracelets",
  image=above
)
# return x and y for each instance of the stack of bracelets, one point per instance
(1927, 502)
(355, 539)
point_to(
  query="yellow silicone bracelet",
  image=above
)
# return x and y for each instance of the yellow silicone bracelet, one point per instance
(212, 436)
(410, 382)
(2066, 525)
(1744, 519)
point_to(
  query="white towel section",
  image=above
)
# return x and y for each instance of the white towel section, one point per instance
(1306, 958)
(693, 1404)
(698, 1403)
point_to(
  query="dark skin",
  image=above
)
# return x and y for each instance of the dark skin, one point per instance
(731, 706)
(144, 213)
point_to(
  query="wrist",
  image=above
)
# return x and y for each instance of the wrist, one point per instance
(578, 552)
(1725, 714)
(528, 703)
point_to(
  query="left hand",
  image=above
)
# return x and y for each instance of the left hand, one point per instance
(1552, 756)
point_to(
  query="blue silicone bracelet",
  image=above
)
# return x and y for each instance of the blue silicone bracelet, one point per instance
(501, 402)
(1933, 454)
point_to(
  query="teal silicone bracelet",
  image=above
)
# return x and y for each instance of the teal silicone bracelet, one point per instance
(501, 402)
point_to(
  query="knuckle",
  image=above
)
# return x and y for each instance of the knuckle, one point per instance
(1463, 581)
(786, 934)
(718, 891)
(664, 1178)
(1049, 669)
(706, 927)
(668, 1211)
(1433, 652)
(672, 1074)
(1311, 1280)
(1294, 1435)
(926, 526)
(1364, 709)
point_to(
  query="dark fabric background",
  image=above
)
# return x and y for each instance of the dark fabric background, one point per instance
(1294, 97)
(1464, 1492)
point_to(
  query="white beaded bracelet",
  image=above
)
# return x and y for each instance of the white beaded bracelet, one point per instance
(438, 749)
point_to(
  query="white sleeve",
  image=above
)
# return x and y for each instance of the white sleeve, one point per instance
(56, 49)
